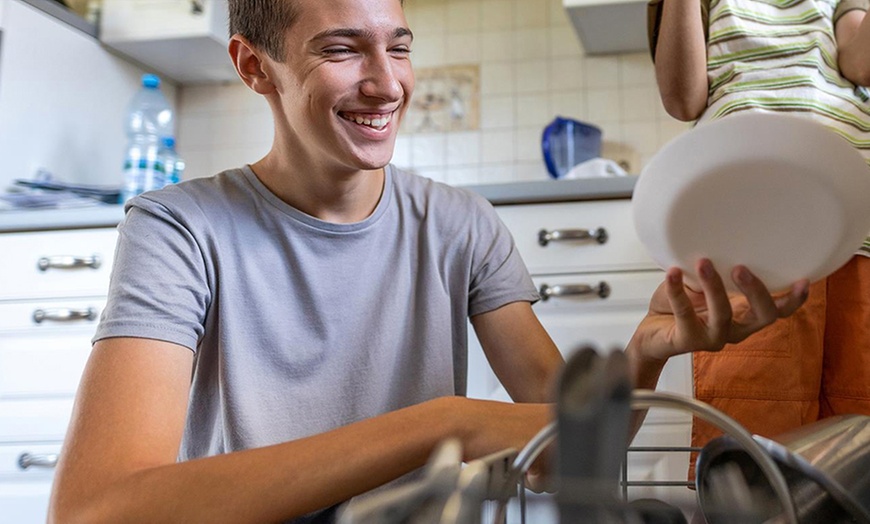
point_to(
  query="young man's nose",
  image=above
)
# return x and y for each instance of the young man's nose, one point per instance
(382, 78)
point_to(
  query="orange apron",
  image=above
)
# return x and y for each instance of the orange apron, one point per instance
(811, 365)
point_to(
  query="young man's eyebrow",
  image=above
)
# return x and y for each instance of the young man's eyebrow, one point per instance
(347, 32)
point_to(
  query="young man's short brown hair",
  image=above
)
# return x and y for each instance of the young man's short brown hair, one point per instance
(264, 23)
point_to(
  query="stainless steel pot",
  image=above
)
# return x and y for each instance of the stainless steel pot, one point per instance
(826, 465)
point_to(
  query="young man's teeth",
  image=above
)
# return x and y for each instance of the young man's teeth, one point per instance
(377, 123)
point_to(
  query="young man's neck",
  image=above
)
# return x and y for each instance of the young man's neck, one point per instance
(332, 196)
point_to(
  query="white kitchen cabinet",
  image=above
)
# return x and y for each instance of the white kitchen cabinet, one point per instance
(185, 40)
(599, 291)
(609, 26)
(52, 291)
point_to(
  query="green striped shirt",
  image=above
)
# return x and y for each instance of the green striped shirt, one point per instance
(781, 55)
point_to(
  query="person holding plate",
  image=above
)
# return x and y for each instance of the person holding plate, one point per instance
(809, 58)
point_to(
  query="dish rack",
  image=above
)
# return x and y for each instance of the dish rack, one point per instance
(595, 407)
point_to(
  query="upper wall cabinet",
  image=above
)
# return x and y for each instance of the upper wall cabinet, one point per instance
(609, 26)
(184, 40)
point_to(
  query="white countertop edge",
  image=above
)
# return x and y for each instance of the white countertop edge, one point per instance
(549, 191)
(69, 218)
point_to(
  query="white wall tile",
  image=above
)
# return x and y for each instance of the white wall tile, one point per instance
(603, 105)
(497, 146)
(564, 42)
(402, 152)
(529, 145)
(429, 150)
(498, 112)
(463, 15)
(602, 71)
(497, 14)
(532, 77)
(463, 149)
(497, 79)
(497, 46)
(462, 48)
(570, 104)
(533, 110)
(567, 73)
(532, 43)
(639, 103)
(531, 13)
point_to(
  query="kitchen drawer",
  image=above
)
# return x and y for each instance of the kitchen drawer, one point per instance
(29, 420)
(28, 461)
(47, 365)
(24, 502)
(620, 251)
(56, 263)
(51, 315)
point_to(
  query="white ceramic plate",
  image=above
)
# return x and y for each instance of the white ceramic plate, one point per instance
(782, 195)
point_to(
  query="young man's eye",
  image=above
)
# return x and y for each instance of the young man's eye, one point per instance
(336, 51)
(402, 50)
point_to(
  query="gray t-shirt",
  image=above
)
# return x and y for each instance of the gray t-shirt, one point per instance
(299, 325)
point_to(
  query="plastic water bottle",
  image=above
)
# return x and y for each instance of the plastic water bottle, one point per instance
(173, 164)
(149, 120)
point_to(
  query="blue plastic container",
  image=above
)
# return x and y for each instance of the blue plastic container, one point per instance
(567, 142)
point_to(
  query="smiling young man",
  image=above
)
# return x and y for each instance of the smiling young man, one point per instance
(282, 337)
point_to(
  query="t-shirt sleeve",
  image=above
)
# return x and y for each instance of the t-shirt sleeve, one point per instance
(844, 6)
(654, 10)
(159, 286)
(499, 275)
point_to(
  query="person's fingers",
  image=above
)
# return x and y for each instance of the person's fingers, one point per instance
(719, 311)
(685, 317)
(762, 305)
(787, 304)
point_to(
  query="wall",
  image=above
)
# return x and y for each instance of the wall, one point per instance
(62, 100)
(532, 69)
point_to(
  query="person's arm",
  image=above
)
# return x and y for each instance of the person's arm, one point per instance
(119, 460)
(681, 59)
(853, 46)
(520, 352)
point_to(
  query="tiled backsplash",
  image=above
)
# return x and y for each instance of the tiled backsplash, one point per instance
(532, 68)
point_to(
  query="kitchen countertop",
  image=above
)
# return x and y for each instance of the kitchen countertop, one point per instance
(549, 191)
(52, 219)
(543, 191)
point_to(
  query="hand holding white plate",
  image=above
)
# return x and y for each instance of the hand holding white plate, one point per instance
(782, 195)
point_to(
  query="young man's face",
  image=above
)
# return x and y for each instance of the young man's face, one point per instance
(347, 80)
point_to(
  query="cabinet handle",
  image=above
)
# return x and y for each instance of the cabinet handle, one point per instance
(68, 262)
(34, 460)
(196, 7)
(64, 314)
(602, 290)
(562, 235)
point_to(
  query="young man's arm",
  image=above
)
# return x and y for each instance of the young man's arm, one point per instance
(520, 352)
(681, 59)
(119, 460)
(853, 46)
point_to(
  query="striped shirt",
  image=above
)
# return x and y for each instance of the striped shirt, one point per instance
(781, 55)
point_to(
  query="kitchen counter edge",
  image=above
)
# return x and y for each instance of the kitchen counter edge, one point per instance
(54, 219)
(551, 191)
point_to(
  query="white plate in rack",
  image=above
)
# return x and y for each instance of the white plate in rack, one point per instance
(782, 195)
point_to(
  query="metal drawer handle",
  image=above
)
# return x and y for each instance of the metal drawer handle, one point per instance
(64, 314)
(561, 235)
(602, 290)
(196, 7)
(68, 262)
(33, 460)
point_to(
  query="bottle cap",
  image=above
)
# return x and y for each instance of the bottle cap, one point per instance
(169, 141)
(150, 81)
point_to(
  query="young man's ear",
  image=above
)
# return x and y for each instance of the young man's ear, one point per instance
(249, 65)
